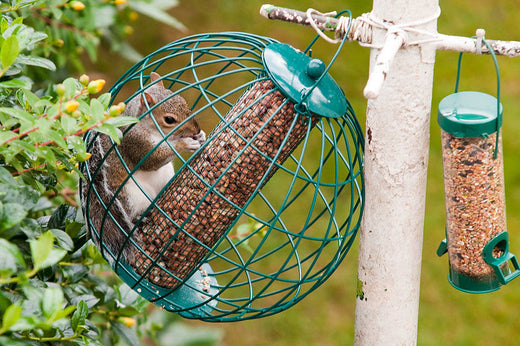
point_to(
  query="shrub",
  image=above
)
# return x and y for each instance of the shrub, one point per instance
(55, 286)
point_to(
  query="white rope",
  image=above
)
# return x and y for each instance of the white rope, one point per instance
(310, 11)
(361, 29)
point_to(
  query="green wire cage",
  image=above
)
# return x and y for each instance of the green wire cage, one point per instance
(266, 209)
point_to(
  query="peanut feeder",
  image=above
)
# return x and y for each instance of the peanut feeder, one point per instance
(477, 238)
(268, 207)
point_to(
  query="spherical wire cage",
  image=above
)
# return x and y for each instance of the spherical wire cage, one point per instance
(266, 209)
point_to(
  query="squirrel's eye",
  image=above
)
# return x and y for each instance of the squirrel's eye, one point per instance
(169, 120)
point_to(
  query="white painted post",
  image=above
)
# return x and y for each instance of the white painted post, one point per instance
(396, 159)
(399, 93)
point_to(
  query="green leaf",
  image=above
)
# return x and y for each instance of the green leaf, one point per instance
(122, 121)
(4, 302)
(36, 61)
(60, 215)
(41, 249)
(13, 214)
(19, 114)
(97, 110)
(10, 51)
(127, 295)
(18, 20)
(127, 335)
(57, 138)
(5, 136)
(7, 178)
(79, 316)
(11, 315)
(3, 25)
(41, 104)
(79, 147)
(16, 84)
(52, 301)
(25, 323)
(111, 131)
(54, 257)
(71, 85)
(75, 273)
(65, 312)
(104, 99)
(89, 299)
(10, 257)
(63, 239)
(68, 124)
(151, 9)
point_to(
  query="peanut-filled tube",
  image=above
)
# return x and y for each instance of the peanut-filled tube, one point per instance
(202, 201)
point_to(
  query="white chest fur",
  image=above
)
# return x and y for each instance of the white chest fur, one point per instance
(149, 184)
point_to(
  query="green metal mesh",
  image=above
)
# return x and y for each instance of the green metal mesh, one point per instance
(260, 215)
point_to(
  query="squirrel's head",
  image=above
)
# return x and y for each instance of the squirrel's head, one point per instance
(168, 114)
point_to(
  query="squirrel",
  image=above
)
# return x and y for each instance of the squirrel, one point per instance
(116, 197)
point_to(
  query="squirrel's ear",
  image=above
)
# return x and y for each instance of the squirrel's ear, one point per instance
(149, 100)
(154, 76)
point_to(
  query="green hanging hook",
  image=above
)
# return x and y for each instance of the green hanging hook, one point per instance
(497, 70)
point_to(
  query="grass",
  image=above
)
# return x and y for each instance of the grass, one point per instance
(326, 317)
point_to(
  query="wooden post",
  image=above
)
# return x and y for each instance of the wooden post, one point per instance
(396, 160)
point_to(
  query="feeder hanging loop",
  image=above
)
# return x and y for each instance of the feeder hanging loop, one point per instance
(481, 33)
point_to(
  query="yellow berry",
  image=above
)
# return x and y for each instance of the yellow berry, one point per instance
(120, 2)
(127, 321)
(84, 79)
(60, 89)
(128, 30)
(77, 5)
(133, 16)
(121, 106)
(96, 86)
(113, 111)
(71, 106)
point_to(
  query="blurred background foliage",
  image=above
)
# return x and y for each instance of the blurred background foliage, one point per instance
(326, 317)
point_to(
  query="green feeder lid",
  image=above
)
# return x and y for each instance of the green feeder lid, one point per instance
(469, 114)
(294, 73)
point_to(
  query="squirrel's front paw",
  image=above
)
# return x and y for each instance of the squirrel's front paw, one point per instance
(200, 137)
(195, 142)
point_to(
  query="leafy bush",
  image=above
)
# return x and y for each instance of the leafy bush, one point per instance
(55, 286)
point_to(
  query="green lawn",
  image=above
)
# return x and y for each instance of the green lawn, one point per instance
(326, 317)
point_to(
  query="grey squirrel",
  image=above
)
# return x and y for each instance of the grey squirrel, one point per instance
(114, 196)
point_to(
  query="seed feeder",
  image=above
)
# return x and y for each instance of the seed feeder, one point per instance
(477, 239)
(268, 207)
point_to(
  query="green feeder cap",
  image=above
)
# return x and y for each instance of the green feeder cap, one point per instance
(294, 73)
(469, 114)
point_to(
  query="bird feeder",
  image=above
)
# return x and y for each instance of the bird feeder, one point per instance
(477, 239)
(268, 207)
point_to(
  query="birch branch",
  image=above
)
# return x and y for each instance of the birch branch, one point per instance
(443, 42)
(326, 23)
